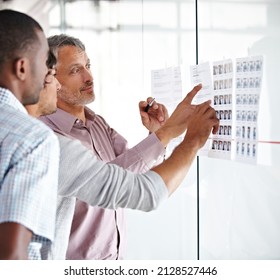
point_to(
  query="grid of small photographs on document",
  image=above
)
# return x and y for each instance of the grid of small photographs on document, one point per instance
(248, 87)
(222, 103)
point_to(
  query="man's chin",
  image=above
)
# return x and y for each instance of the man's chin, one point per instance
(89, 100)
(48, 111)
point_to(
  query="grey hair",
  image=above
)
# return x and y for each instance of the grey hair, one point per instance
(63, 40)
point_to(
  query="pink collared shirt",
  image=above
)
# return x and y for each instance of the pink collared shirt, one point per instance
(98, 233)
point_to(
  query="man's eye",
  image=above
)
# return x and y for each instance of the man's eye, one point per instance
(75, 70)
(88, 66)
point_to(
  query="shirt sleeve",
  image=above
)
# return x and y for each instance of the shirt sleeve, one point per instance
(142, 157)
(138, 159)
(106, 185)
(29, 187)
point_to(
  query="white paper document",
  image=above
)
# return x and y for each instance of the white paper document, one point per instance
(201, 74)
(167, 87)
(234, 88)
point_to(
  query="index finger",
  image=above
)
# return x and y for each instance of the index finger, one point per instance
(189, 98)
(215, 125)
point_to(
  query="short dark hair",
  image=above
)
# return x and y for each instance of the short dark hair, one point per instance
(51, 61)
(63, 40)
(17, 35)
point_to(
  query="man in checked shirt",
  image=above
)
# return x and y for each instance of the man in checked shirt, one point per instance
(29, 151)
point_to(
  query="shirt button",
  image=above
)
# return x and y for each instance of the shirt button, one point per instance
(79, 122)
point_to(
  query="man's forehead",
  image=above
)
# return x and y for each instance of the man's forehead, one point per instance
(71, 51)
(72, 55)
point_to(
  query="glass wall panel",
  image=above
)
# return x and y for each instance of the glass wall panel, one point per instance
(239, 205)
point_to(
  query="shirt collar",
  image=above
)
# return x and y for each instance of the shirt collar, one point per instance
(65, 121)
(8, 98)
(90, 115)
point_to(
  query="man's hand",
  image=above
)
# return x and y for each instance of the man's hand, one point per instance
(179, 120)
(156, 116)
(202, 122)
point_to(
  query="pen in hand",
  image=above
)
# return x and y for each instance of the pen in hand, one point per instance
(150, 104)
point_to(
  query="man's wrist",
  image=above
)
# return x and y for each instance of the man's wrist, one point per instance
(190, 143)
(163, 136)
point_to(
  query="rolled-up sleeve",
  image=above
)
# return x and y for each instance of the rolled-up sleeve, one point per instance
(106, 185)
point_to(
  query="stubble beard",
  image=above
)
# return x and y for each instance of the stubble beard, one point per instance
(47, 110)
(76, 99)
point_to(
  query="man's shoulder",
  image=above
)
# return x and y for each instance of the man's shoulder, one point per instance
(72, 149)
(69, 144)
(64, 140)
(18, 127)
(60, 121)
(25, 138)
(19, 122)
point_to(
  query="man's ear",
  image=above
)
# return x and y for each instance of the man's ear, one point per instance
(21, 68)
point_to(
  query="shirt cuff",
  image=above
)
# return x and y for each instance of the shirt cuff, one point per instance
(150, 149)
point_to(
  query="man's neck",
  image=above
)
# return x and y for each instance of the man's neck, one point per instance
(77, 111)
(32, 110)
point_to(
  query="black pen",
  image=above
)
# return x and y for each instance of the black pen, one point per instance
(150, 104)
